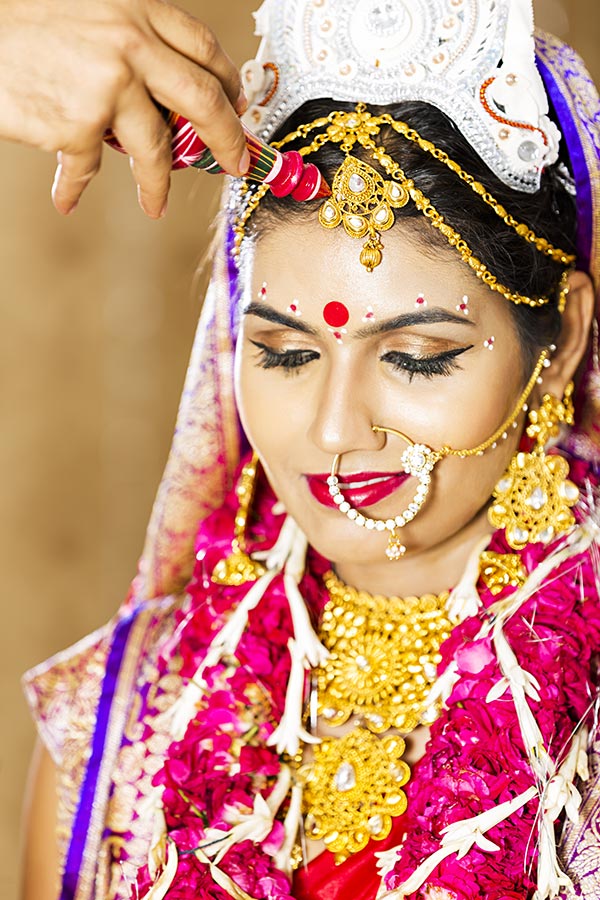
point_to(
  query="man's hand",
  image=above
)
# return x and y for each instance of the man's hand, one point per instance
(70, 69)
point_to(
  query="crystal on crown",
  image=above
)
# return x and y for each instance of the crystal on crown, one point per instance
(384, 18)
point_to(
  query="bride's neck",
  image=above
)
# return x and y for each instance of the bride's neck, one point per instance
(433, 570)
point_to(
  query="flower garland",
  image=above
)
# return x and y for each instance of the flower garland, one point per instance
(222, 765)
(228, 810)
(476, 757)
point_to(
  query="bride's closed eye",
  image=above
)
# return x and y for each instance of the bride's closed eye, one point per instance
(425, 366)
(289, 360)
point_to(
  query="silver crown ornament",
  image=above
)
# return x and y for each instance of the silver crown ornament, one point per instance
(472, 59)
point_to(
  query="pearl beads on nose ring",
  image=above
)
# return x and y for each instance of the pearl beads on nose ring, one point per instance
(417, 460)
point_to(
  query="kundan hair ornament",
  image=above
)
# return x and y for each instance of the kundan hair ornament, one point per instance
(364, 202)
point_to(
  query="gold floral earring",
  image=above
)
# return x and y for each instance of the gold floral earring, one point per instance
(239, 568)
(533, 500)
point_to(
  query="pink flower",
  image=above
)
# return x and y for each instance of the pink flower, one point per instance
(261, 760)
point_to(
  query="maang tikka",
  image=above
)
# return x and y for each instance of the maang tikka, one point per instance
(533, 500)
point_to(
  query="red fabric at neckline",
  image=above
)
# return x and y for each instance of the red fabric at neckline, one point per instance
(357, 877)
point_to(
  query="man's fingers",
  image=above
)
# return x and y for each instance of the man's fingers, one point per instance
(73, 174)
(197, 94)
(143, 133)
(185, 34)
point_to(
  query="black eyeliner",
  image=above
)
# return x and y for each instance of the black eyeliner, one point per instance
(426, 366)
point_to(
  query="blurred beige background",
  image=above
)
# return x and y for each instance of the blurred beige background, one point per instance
(98, 312)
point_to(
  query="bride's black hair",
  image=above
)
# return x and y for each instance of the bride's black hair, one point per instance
(550, 212)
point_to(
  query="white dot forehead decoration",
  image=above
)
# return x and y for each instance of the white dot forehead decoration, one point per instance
(472, 59)
(369, 315)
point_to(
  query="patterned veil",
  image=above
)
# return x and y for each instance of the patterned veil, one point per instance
(206, 445)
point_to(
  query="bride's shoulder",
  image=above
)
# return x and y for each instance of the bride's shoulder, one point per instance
(64, 691)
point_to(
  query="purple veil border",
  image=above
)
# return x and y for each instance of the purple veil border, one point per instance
(576, 103)
(81, 860)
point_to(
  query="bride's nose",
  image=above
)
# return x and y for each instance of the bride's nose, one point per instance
(345, 416)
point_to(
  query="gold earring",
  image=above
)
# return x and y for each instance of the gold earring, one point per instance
(532, 501)
(239, 567)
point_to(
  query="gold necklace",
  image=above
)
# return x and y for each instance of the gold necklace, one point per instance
(383, 659)
(384, 654)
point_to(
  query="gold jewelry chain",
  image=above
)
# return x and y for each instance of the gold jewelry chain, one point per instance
(411, 134)
(502, 430)
(540, 243)
(347, 128)
(383, 662)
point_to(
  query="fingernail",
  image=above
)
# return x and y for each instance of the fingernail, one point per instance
(241, 104)
(244, 162)
(72, 208)
(140, 198)
(163, 211)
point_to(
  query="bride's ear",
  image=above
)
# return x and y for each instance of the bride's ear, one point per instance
(574, 336)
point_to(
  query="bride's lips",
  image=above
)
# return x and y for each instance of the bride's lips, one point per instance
(361, 489)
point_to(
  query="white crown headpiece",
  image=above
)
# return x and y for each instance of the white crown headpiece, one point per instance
(472, 59)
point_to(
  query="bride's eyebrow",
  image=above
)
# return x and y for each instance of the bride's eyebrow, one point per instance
(263, 311)
(433, 316)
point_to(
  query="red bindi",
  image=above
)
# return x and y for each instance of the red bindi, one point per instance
(336, 314)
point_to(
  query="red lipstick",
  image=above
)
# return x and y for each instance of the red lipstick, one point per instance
(361, 489)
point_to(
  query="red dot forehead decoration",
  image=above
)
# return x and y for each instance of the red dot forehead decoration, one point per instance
(336, 315)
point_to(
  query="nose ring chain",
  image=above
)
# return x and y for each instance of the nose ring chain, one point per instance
(419, 460)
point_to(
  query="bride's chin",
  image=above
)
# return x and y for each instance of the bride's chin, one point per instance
(346, 543)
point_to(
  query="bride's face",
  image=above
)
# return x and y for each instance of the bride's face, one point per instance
(327, 350)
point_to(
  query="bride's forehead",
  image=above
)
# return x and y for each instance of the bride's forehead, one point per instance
(310, 269)
(307, 252)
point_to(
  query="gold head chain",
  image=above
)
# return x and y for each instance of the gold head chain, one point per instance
(363, 201)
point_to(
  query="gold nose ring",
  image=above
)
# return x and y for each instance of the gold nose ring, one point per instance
(417, 460)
